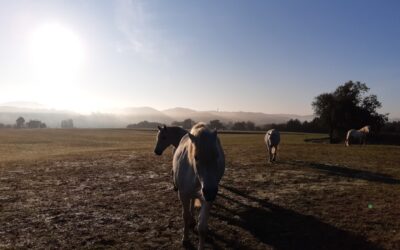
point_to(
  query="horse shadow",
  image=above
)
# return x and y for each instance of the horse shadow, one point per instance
(283, 228)
(343, 171)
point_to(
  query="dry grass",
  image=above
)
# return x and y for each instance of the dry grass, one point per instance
(106, 189)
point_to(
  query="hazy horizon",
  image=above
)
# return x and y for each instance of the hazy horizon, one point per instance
(272, 57)
(38, 106)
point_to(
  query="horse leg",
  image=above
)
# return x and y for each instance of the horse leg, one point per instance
(186, 218)
(203, 223)
(192, 221)
(275, 152)
(175, 188)
(271, 155)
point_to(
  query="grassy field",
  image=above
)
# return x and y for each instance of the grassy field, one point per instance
(105, 188)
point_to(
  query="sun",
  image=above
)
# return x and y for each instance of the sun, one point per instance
(57, 53)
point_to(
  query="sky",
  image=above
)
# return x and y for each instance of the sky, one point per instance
(262, 56)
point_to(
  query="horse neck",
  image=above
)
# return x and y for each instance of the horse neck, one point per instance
(178, 133)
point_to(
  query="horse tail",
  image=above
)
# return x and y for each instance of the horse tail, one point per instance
(347, 140)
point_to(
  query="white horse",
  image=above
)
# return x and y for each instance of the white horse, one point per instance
(168, 136)
(272, 139)
(357, 136)
(198, 166)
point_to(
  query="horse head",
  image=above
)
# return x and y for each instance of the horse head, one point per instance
(204, 154)
(163, 140)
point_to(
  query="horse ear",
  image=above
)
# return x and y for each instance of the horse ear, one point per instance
(159, 128)
(192, 137)
(165, 127)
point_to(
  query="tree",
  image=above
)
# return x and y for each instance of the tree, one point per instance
(348, 107)
(33, 124)
(216, 124)
(20, 122)
(69, 123)
(293, 125)
(250, 126)
(188, 123)
(145, 124)
(239, 126)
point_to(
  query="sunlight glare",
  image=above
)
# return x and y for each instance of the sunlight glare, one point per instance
(57, 53)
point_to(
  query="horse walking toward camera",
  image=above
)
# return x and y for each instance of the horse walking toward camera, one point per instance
(198, 166)
(357, 136)
(168, 136)
(272, 139)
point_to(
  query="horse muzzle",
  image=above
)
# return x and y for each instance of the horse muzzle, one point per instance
(157, 152)
(210, 194)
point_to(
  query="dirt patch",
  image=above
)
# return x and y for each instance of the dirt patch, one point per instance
(124, 199)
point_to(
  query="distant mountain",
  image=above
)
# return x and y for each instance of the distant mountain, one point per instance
(259, 118)
(179, 114)
(138, 114)
(28, 105)
(225, 116)
(120, 118)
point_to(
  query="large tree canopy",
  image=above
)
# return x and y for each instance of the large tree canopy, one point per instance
(349, 106)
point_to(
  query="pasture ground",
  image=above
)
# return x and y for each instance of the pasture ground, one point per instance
(106, 189)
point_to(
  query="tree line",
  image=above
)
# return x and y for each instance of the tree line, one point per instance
(349, 106)
(21, 123)
(293, 125)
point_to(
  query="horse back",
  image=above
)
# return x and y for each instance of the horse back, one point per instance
(272, 137)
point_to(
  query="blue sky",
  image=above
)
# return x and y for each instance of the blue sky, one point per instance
(268, 56)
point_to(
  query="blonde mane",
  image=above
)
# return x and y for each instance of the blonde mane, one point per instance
(197, 128)
(365, 129)
(203, 147)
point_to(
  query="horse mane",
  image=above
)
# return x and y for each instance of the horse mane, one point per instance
(202, 133)
(365, 129)
(198, 128)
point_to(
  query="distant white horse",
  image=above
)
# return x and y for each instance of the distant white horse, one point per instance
(198, 166)
(168, 136)
(272, 139)
(357, 136)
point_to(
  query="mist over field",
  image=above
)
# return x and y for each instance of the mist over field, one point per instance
(120, 118)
